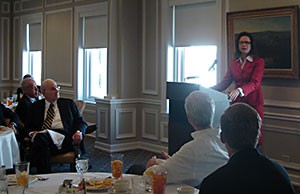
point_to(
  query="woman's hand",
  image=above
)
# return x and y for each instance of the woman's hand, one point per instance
(234, 94)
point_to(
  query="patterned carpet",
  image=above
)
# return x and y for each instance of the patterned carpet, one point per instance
(100, 160)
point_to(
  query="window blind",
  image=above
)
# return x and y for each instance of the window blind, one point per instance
(95, 32)
(196, 24)
(35, 37)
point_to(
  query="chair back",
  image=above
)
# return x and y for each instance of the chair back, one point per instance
(80, 105)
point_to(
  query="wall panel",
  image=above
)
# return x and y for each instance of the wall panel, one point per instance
(164, 132)
(102, 115)
(5, 48)
(27, 5)
(150, 124)
(50, 3)
(17, 50)
(150, 48)
(5, 7)
(17, 7)
(125, 123)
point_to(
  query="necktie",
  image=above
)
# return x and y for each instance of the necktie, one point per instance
(49, 118)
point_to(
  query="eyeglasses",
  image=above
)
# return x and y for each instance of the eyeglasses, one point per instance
(244, 42)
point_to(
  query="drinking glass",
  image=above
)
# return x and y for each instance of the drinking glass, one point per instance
(116, 165)
(22, 174)
(159, 180)
(138, 184)
(82, 165)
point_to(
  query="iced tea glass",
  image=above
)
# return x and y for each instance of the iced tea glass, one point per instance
(159, 180)
(116, 165)
(22, 174)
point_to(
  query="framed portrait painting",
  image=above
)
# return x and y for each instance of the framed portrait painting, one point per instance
(275, 32)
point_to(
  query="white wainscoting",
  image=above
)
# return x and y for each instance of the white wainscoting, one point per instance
(130, 146)
(102, 115)
(150, 124)
(131, 124)
(125, 128)
(281, 136)
(164, 132)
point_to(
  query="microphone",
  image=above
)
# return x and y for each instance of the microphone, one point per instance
(213, 65)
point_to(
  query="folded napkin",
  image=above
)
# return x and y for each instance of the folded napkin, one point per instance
(56, 137)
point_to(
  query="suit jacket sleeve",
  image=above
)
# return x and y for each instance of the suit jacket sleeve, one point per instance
(71, 117)
(226, 81)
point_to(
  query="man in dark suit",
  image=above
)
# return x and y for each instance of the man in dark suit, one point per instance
(65, 119)
(30, 95)
(247, 171)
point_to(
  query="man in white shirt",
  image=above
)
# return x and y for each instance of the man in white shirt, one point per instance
(201, 156)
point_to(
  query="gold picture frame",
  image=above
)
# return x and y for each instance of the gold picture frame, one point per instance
(275, 32)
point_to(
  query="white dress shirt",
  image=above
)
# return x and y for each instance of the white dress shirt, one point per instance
(196, 159)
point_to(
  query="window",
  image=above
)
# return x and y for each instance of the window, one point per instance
(196, 64)
(32, 52)
(194, 44)
(95, 73)
(92, 52)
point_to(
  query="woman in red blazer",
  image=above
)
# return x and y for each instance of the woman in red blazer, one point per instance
(246, 71)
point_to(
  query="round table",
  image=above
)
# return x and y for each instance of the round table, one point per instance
(51, 185)
(9, 149)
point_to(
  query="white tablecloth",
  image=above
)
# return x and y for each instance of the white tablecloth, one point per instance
(9, 149)
(51, 185)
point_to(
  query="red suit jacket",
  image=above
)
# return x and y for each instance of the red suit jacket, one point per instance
(249, 79)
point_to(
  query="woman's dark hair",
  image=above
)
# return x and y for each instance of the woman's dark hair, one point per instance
(237, 50)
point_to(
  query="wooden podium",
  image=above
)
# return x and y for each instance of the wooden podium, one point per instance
(179, 129)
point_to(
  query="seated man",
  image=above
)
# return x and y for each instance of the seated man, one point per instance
(247, 171)
(202, 155)
(20, 91)
(30, 95)
(58, 114)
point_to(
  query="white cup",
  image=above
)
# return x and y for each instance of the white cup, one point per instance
(186, 190)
